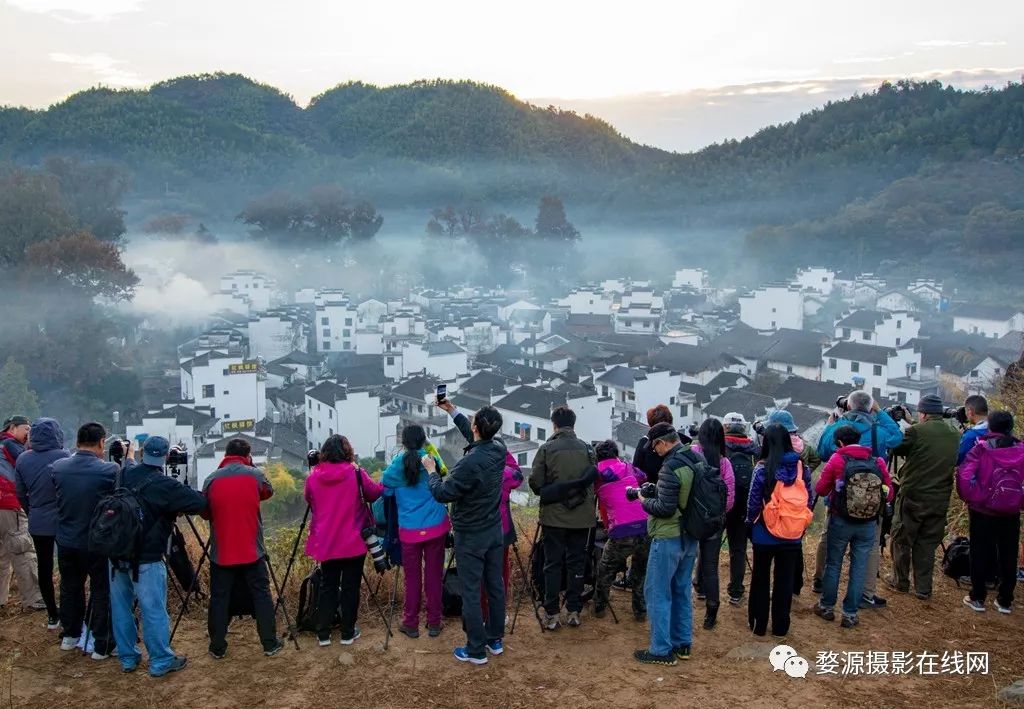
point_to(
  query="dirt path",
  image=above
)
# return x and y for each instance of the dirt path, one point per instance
(588, 667)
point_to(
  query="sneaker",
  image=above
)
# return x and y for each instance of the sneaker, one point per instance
(409, 632)
(550, 622)
(682, 652)
(640, 617)
(128, 669)
(923, 596)
(976, 606)
(816, 586)
(219, 654)
(462, 655)
(323, 640)
(623, 584)
(496, 647)
(735, 600)
(99, 656)
(600, 611)
(1005, 610)
(434, 630)
(67, 643)
(849, 621)
(37, 606)
(573, 619)
(356, 634)
(891, 583)
(177, 664)
(824, 613)
(647, 658)
(278, 647)
(52, 623)
(1020, 574)
(872, 602)
(701, 596)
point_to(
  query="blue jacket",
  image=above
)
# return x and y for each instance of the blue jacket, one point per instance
(759, 494)
(420, 516)
(33, 476)
(81, 481)
(968, 440)
(888, 434)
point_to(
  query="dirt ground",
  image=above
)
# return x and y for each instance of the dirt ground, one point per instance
(586, 667)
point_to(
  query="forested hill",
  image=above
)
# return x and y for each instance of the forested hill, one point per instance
(442, 139)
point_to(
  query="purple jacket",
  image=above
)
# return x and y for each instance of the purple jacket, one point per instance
(974, 477)
(513, 479)
(725, 468)
(337, 513)
(622, 517)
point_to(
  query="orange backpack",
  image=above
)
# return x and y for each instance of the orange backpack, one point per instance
(786, 514)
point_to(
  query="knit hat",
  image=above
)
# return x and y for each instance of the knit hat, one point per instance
(662, 429)
(784, 419)
(930, 404)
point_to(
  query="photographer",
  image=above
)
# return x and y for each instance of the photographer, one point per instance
(474, 487)
(644, 458)
(975, 412)
(567, 523)
(16, 553)
(161, 498)
(336, 491)
(925, 485)
(237, 551)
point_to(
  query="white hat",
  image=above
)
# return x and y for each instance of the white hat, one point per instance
(734, 418)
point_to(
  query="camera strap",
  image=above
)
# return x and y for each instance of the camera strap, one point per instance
(367, 510)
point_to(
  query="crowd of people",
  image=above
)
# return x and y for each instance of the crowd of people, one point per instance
(660, 523)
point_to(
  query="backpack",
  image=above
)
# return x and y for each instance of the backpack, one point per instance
(309, 601)
(116, 529)
(786, 514)
(956, 559)
(704, 514)
(451, 594)
(743, 470)
(861, 497)
(1002, 490)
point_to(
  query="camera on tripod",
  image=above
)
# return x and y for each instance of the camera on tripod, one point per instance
(959, 414)
(177, 458)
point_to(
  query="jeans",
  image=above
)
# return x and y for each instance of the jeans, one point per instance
(479, 559)
(77, 565)
(151, 592)
(707, 569)
(613, 560)
(874, 558)
(341, 577)
(668, 592)
(994, 553)
(768, 597)
(860, 537)
(736, 531)
(222, 579)
(45, 548)
(565, 550)
(423, 563)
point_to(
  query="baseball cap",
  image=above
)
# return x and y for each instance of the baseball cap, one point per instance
(154, 451)
(784, 419)
(16, 421)
(734, 418)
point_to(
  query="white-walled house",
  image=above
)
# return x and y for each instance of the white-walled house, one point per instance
(988, 320)
(529, 323)
(231, 302)
(896, 301)
(869, 366)
(359, 416)
(638, 318)
(773, 307)
(209, 456)
(587, 301)
(444, 360)
(181, 424)
(234, 389)
(335, 322)
(275, 333)
(260, 289)
(820, 280)
(694, 278)
(927, 290)
(873, 327)
(634, 391)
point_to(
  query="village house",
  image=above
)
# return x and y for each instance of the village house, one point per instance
(772, 307)
(371, 428)
(988, 320)
(873, 327)
(260, 289)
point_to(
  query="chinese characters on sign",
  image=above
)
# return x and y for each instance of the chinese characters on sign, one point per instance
(243, 368)
(239, 425)
(873, 662)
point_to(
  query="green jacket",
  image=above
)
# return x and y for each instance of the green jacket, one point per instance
(674, 483)
(564, 458)
(929, 452)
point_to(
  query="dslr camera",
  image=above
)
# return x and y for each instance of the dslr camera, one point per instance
(842, 403)
(898, 412)
(758, 427)
(959, 414)
(312, 459)
(117, 450)
(177, 458)
(647, 490)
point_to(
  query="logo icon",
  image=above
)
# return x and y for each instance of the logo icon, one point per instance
(785, 658)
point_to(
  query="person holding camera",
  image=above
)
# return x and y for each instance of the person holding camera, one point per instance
(474, 489)
(566, 523)
(16, 548)
(976, 415)
(144, 580)
(33, 477)
(929, 452)
(238, 554)
(337, 491)
(423, 526)
(711, 445)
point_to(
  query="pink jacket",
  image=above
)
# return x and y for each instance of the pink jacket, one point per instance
(337, 514)
(976, 476)
(513, 479)
(834, 472)
(725, 468)
(622, 517)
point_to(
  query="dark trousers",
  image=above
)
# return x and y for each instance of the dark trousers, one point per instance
(76, 566)
(564, 550)
(707, 569)
(45, 546)
(616, 553)
(994, 553)
(339, 591)
(917, 530)
(479, 558)
(736, 531)
(768, 597)
(222, 579)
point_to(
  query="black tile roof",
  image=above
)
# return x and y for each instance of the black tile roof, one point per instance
(800, 347)
(485, 383)
(622, 377)
(327, 392)
(811, 393)
(532, 401)
(416, 388)
(996, 313)
(752, 405)
(859, 352)
(862, 320)
(691, 359)
(630, 432)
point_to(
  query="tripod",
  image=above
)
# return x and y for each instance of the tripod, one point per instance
(527, 586)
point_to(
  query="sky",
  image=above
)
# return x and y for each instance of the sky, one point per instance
(678, 75)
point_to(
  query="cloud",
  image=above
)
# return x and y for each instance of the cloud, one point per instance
(863, 60)
(78, 10)
(103, 67)
(943, 43)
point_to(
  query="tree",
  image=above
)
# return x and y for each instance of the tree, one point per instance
(166, 224)
(287, 502)
(32, 209)
(16, 396)
(82, 263)
(552, 222)
(93, 194)
(993, 226)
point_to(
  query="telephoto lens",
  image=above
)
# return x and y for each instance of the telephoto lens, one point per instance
(632, 493)
(375, 550)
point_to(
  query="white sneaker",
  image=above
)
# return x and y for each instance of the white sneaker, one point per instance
(68, 643)
(52, 623)
(1005, 610)
(324, 642)
(96, 656)
(355, 636)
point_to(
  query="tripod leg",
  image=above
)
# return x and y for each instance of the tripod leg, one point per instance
(89, 608)
(530, 587)
(376, 605)
(524, 587)
(192, 588)
(292, 630)
(392, 604)
(291, 559)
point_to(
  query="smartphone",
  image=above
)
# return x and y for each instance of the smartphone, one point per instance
(442, 393)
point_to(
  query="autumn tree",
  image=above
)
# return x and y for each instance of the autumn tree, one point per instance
(16, 396)
(32, 210)
(328, 214)
(82, 263)
(551, 221)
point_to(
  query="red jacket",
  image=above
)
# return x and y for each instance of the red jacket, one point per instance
(234, 493)
(10, 449)
(833, 471)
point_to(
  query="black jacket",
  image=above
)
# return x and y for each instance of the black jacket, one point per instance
(33, 476)
(473, 485)
(80, 482)
(647, 460)
(162, 499)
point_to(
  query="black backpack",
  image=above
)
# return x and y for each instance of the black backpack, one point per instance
(704, 514)
(116, 530)
(451, 593)
(956, 559)
(309, 601)
(743, 470)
